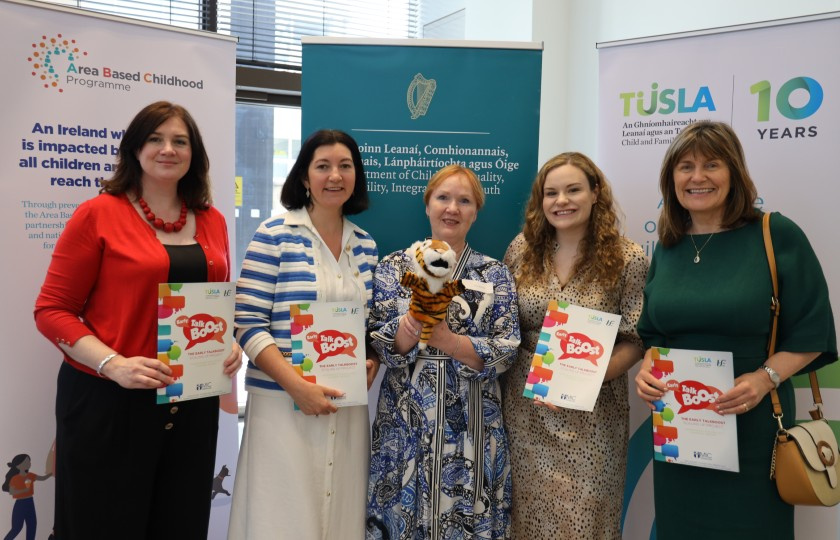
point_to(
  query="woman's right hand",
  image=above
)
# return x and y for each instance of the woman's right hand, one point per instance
(138, 372)
(313, 398)
(648, 387)
(408, 334)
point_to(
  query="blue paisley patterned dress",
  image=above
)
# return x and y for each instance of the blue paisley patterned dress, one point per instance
(440, 466)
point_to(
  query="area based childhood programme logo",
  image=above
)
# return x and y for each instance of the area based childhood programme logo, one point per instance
(47, 57)
(58, 63)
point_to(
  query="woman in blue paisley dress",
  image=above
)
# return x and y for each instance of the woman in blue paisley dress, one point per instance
(440, 466)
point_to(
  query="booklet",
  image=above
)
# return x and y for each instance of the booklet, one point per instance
(571, 357)
(686, 428)
(328, 348)
(195, 336)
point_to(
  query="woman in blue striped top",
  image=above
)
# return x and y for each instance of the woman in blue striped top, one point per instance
(303, 473)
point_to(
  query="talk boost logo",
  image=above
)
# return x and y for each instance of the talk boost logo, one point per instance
(50, 57)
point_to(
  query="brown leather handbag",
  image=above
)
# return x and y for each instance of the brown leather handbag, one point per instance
(805, 461)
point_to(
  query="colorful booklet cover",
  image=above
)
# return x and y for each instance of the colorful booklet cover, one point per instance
(571, 357)
(195, 336)
(686, 427)
(328, 348)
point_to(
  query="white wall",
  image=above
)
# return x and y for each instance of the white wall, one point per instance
(499, 20)
(570, 29)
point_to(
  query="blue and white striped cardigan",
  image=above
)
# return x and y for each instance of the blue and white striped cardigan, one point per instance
(279, 270)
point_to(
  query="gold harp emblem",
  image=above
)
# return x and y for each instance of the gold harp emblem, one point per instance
(419, 95)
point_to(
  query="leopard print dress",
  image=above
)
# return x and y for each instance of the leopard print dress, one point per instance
(569, 466)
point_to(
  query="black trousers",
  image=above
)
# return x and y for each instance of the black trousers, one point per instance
(128, 468)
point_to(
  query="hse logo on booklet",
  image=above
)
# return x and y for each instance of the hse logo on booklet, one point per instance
(686, 427)
(571, 357)
(195, 336)
(328, 347)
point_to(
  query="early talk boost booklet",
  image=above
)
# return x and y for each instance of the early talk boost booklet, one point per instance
(328, 348)
(571, 357)
(686, 427)
(195, 336)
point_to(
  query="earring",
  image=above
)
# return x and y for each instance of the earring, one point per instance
(307, 193)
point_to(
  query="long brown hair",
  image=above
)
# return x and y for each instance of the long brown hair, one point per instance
(193, 188)
(713, 140)
(600, 251)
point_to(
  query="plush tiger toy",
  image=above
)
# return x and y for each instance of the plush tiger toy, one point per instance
(431, 286)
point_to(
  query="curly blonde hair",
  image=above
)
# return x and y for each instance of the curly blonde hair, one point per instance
(601, 254)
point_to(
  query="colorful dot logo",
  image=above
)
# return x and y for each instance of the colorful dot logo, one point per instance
(48, 54)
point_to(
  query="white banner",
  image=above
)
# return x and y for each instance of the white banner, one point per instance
(779, 87)
(72, 81)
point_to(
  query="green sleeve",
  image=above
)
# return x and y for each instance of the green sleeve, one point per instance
(806, 322)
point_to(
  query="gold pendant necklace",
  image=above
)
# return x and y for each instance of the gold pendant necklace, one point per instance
(697, 251)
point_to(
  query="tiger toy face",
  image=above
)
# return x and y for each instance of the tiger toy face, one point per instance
(434, 258)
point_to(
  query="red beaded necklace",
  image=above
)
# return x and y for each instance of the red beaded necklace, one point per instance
(158, 223)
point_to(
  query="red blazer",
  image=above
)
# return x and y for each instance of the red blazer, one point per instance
(104, 274)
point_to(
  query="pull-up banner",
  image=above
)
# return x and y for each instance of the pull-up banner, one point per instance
(778, 85)
(414, 106)
(72, 81)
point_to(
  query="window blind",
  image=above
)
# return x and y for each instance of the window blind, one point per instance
(269, 31)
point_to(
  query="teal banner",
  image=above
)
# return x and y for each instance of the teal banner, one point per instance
(416, 108)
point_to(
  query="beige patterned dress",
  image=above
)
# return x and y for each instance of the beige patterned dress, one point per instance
(569, 466)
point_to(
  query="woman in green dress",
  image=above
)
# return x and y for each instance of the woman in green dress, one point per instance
(709, 289)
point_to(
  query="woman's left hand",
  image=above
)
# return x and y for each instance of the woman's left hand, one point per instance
(750, 388)
(234, 361)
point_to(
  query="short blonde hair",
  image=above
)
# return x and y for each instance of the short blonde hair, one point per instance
(452, 170)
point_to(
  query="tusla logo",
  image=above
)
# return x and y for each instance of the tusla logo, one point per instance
(419, 95)
(668, 100)
(47, 57)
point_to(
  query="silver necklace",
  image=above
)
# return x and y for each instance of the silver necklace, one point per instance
(697, 256)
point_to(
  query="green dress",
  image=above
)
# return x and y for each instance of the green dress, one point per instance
(722, 304)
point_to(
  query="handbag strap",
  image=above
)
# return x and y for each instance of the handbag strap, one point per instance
(775, 308)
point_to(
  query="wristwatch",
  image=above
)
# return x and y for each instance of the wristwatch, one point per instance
(774, 377)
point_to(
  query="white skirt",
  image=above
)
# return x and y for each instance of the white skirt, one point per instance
(300, 477)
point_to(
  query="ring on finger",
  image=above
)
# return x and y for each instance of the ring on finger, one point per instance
(746, 407)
